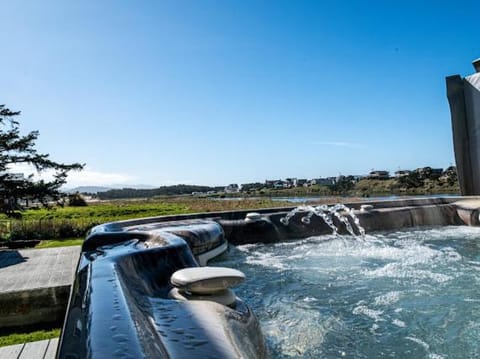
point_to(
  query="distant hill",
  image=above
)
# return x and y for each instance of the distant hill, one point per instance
(88, 189)
(180, 189)
(100, 189)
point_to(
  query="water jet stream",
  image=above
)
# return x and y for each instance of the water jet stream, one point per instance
(326, 213)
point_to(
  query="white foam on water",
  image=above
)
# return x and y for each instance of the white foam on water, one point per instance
(297, 333)
(387, 299)
(373, 280)
(435, 356)
(400, 271)
(472, 300)
(268, 260)
(475, 264)
(245, 248)
(412, 259)
(399, 323)
(419, 342)
(371, 313)
(374, 329)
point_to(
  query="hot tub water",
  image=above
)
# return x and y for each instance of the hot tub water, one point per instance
(412, 293)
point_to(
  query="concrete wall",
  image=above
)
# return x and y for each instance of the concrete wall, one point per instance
(464, 100)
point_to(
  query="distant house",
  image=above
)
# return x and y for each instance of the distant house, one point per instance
(232, 188)
(280, 184)
(271, 183)
(329, 181)
(301, 182)
(291, 182)
(429, 172)
(253, 186)
(402, 173)
(358, 177)
(436, 173)
(449, 175)
(379, 175)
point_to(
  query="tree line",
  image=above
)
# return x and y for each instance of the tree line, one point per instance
(176, 190)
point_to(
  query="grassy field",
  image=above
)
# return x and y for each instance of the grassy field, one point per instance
(124, 209)
(52, 243)
(74, 222)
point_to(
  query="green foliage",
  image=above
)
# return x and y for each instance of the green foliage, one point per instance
(251, 187)
(66, 222)
(176, 190)
(343, 185)
(52, 243)
(76, 200)
(48, 228)
(450, 176)
(16, 148)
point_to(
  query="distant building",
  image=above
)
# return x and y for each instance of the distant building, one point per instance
(379, 175)
(280, 184)
(429, 172)
(329, 181)
(358, 177)
(232, 188)
(291, 182)
(402, 173)
(253, 186)
(270, 183)
(301, 182)
(436, 173)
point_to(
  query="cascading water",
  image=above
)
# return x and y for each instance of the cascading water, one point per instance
(339, 211)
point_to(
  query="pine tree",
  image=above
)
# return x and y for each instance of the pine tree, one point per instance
(16, 148)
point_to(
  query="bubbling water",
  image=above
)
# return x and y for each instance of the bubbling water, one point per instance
(409, 293)
(327, 213)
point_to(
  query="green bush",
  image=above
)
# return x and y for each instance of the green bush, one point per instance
(48, 229)
(76, 200)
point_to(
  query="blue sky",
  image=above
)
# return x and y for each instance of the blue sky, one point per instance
(215, 92)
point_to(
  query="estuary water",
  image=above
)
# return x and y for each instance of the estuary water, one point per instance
(412, 293)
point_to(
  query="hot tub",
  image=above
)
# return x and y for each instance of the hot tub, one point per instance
(120, 304)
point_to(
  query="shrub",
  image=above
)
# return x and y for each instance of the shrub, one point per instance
(76, 200)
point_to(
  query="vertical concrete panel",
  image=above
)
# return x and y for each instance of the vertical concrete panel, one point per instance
(464, 100)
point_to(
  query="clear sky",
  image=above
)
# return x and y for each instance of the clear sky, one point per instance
(215, 92)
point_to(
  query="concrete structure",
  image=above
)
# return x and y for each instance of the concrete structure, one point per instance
(464, 100)
(35, 285)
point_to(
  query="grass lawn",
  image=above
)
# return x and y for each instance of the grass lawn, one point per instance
(68, 222)
(52, 243)
(19, 338)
